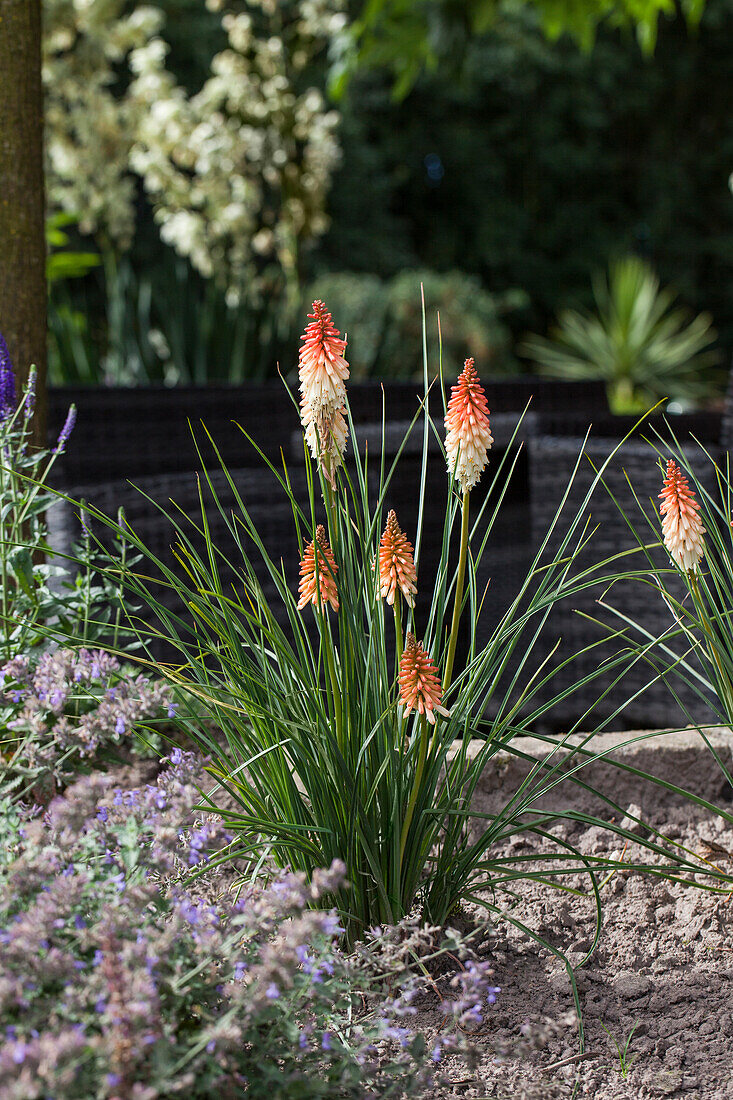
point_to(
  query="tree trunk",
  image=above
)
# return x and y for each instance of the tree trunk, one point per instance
(22, 229)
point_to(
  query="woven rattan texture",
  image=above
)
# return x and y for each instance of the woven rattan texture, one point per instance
(123, 433)
(551, 459)
(145, 435)
(178, 494)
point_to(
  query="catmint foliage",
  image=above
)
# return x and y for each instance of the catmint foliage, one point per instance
(123, 977)
(67, 706)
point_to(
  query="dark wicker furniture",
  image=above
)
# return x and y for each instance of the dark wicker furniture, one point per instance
(552, 454)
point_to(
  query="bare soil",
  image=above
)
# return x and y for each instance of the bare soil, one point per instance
(663, 965)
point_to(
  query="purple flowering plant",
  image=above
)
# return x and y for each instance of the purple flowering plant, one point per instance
(28, 602)
(7, 381)
(44, 604)
(123, 977)
(65, 708)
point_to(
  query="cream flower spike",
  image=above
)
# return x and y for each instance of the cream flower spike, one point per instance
(323, 372)
(468, 434)
(681, 525)
(325, 433)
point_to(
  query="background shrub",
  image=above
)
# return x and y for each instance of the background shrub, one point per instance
(521, 162)
(384, 320)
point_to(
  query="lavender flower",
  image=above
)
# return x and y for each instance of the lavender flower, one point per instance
(66, 431)
(7, 382)
(30, 393)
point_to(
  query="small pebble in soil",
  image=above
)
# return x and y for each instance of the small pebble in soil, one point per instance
(629, 822)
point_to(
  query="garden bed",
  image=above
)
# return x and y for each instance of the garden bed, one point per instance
(664, 961)
(663, 965)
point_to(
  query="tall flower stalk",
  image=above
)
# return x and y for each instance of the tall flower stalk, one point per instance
(317, 586)
(323, 371)
(7, 382)
(467, 442)
(420, 691)
(694, 651)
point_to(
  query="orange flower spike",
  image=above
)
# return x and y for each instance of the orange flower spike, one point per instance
(420, 687)
(325, 591)
(681, 525)
(396, 564)
(468, 434)
(321, 364)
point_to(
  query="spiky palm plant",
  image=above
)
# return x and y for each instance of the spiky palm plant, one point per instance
(642, 347)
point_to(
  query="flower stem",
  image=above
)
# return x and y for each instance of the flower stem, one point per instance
(463, 554)
(328, 645)
(332, 513)
(422, 755)
(399, 644)
(6, 541)
(123, 564)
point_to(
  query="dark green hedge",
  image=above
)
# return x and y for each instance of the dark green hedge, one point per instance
(549, 162)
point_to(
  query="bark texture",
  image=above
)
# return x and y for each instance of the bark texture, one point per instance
(22, 230)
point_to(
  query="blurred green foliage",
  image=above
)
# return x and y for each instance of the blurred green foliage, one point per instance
(161, 323)
(531, 164)
(522, 163)
(386, 316)
(635, 340)
(408, 37)
(167, 325)
(62, 261)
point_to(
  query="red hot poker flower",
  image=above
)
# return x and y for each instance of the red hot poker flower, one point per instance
(681, 526)
(322, 367)
(325, 591)
(420, 687)
(325, 434)
(396, 563)
(323, 372)
(468, 434)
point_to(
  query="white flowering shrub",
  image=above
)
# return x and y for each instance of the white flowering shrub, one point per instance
(237, 173)
(91, 123)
